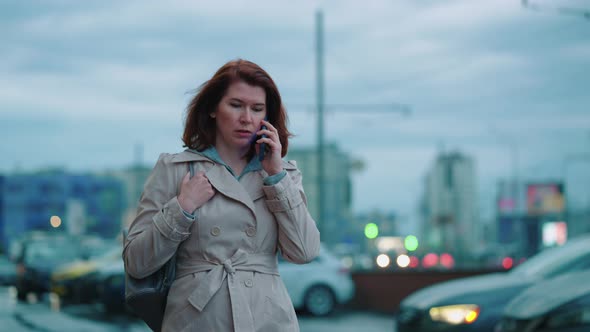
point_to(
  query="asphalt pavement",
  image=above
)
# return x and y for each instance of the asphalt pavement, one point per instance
(41, 317)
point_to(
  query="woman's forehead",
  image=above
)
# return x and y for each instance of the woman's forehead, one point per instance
(246, 92)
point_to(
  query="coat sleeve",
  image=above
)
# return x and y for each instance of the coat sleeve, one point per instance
(159, 226)
(299, 238)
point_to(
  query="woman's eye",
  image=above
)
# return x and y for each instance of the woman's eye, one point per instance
(235, 105)
(258, 109)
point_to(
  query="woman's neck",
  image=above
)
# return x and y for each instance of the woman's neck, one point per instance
(235, 159)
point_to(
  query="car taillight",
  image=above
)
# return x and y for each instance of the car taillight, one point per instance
(20, 269)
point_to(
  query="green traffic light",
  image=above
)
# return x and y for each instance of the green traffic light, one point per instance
(411, 243)
(371, 230)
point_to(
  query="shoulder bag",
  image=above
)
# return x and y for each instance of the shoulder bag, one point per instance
(146, 297)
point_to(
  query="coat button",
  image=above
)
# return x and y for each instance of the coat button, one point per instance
(251, 231)
(215, 231)
(248, 283)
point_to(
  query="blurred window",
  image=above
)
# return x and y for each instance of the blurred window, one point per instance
(14, 188)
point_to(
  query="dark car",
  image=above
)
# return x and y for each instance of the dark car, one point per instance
(38, 258)
(560, 304)
(7, 272)
(75, 283)
(477, 303)
(110, 281)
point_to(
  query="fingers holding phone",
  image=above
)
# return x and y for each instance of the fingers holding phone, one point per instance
(262, 146)
(269, 146)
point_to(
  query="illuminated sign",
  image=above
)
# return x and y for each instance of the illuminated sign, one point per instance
(545, 198)
(554, 233)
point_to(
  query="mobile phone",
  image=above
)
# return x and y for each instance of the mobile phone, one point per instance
(262, 145)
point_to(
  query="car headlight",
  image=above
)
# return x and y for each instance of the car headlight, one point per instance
(455, 314)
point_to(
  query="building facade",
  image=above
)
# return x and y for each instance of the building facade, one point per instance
(449, 206)
(337, 187)
(133, 179)
(60, 201)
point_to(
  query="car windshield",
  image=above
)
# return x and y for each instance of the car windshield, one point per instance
(549, 261)
(51, 251)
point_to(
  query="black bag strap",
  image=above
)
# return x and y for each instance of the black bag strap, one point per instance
(191, 169)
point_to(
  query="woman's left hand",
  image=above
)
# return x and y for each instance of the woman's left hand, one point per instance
(272, 162)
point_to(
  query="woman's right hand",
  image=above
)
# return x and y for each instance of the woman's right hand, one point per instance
(195, 191)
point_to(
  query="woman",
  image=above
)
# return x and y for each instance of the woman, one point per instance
(227, 222)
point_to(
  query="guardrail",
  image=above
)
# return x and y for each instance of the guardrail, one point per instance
(384, 290)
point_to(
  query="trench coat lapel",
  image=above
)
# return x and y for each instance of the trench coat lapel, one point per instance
(246, 193)
(253, 182)
(226, 184)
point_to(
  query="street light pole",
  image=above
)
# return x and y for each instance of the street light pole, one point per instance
(568, 160)
(320, 115)
(321, 107)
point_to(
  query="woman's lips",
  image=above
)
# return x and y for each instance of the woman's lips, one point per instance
(244, 133)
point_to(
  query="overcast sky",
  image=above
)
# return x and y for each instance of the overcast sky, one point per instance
(83, 82)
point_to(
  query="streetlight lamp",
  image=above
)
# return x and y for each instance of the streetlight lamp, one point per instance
(584, 13)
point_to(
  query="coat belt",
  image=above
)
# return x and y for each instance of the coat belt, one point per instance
(217, 272)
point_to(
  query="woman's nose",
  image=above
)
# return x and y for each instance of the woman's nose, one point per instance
(246, 116)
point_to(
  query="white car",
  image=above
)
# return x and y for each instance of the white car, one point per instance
(319, 285)
(316, 287)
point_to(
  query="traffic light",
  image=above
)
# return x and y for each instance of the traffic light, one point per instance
(411, 243)
(371, 230)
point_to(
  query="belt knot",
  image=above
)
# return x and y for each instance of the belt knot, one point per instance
(229, 268)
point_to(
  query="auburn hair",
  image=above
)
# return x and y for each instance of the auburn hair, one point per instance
(199, 128)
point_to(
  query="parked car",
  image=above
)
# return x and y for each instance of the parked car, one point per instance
(477, 303)
(37, 259)
(316, 287)
(74, 282)
(561, 304)
(7, 272)
(110, 285)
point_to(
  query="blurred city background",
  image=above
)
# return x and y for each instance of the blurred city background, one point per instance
(432, 136)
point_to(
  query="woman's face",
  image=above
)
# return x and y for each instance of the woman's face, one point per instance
(238, 116)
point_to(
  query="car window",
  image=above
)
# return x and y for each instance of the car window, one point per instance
(582, 263)
(551, 261)
(50, 251)
(282, 260)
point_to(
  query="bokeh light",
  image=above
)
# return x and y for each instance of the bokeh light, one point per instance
(403, 260)
(371, 230)
(55, 221)
(411, 243)
(383, 260)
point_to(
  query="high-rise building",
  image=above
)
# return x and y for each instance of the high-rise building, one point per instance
(337, 187)
(450, 206)
(133, 179)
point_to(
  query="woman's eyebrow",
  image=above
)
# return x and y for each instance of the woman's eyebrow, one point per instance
(241, 101)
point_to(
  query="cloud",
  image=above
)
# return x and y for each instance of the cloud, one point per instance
(104, 74)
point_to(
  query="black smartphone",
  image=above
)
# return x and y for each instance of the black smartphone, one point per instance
(262, 148)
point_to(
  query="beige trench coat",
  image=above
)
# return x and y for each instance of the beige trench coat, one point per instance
(227, 277)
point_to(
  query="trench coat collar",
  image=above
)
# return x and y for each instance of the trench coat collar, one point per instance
(187, 155)
(245, 191)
